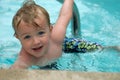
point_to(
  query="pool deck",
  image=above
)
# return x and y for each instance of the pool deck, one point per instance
(55, 75)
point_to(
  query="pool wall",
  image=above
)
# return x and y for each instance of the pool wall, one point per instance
(55, 75)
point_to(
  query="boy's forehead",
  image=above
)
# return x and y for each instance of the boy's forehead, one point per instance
(35, 23)
(28, 28)
(37, 26)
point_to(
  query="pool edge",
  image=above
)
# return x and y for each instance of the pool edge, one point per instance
(55, 75)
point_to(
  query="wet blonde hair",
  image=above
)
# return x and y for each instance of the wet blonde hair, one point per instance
(28, 12)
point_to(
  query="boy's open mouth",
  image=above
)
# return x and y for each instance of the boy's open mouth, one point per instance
(37, 48)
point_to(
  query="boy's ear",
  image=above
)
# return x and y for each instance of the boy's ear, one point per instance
(51, 27)
(16, 36)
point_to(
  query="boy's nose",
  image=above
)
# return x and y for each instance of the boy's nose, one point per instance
(36, 40)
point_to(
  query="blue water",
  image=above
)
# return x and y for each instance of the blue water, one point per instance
(100, 22)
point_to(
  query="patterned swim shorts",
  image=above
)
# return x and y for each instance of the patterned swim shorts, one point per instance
(72, 45)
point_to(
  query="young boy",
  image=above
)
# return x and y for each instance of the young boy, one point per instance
(41, 43)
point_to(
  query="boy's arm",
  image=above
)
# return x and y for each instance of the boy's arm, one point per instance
(59, 30)
(24, 61)
(19, 65)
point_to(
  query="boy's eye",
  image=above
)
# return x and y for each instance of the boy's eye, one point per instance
(41, 33)
(27, 37)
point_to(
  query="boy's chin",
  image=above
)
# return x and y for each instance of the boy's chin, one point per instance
(38, 55)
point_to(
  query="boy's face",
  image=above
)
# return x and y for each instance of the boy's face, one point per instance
(35, 40)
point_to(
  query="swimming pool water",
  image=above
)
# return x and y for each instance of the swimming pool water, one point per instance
(100, 22)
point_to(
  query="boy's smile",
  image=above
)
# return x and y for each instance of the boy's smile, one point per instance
(37, 49)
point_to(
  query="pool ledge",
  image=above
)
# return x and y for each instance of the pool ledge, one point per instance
(55, 75)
